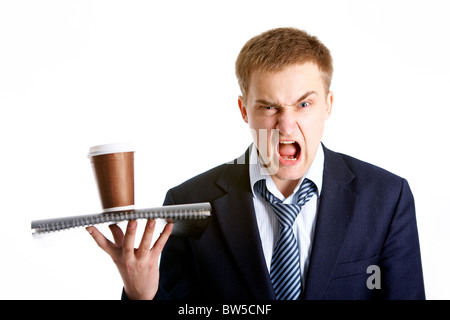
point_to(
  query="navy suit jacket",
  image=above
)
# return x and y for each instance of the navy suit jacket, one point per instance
(366, 217)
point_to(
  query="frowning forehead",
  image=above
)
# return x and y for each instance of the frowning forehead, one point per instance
(277, 103)
(286, 87)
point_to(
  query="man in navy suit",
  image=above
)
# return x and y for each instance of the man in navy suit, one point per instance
(356, 236)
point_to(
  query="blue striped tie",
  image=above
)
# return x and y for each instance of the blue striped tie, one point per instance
(285, 265)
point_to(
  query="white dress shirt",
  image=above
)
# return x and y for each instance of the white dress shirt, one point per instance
(267, 220)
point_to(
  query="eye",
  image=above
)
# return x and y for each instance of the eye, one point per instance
(304, 104)
(268, 109)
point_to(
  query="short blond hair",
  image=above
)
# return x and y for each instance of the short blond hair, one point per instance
(276, 49)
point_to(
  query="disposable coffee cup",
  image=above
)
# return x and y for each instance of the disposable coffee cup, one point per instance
(113, 167)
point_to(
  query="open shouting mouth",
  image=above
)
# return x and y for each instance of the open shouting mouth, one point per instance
(289, 151)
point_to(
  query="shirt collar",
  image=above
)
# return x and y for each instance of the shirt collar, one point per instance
(259, 172)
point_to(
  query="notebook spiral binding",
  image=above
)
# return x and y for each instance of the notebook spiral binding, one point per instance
(183, 215)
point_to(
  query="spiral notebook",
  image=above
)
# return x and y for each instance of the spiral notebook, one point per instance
(190, 220)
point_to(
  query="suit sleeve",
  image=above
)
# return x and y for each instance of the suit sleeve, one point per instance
(401, 267)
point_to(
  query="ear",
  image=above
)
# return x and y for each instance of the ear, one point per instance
(243, 109)
(329, 105)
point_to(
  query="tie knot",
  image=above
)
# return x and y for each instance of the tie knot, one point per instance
(287, 213)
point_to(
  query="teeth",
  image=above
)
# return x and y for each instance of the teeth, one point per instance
(289, 158)
(287, 142)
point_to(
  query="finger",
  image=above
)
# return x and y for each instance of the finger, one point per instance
(128, 239)
(161, 242)
(101, 240)
(117, 234)
(146, 241)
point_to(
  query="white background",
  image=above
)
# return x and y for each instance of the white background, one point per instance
(160, 74)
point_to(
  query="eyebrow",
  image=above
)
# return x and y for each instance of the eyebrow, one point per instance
(303, 97)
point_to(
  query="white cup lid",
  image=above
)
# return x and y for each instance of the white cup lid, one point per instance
(110, 148)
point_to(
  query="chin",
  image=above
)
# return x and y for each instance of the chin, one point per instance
(289, 173)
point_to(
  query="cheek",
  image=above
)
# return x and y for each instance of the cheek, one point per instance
(262, 130)
(259, 122)
(312, 128)
(264, 136)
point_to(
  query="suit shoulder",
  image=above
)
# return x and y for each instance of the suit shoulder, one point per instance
(200, 188)
(209, 176)
(371, 183)
(212, 183)
(368, 172)
(213, 175)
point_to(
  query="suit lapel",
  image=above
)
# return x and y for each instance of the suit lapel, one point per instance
(235, 214)
(336, 208)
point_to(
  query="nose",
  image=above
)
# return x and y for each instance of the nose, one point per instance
(286, 123)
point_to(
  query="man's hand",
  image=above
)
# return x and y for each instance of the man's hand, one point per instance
(137, 267)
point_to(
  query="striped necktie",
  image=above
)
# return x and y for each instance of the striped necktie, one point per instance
(285, 265)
